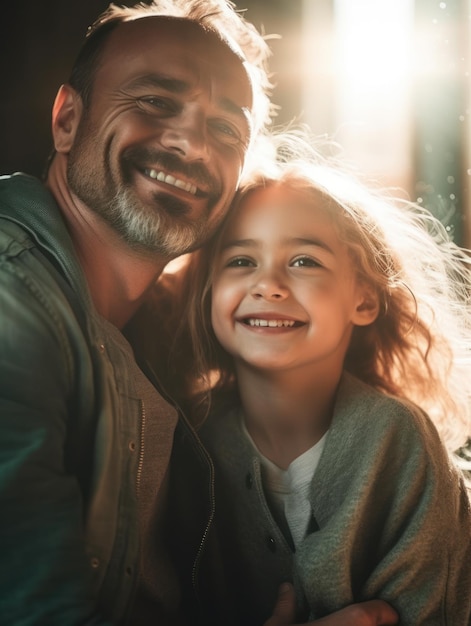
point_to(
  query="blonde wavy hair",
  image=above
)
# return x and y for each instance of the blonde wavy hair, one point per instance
(418, 348)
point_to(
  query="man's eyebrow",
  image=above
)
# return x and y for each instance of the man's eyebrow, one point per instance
(231, 107)
(178, 86)
(174, 85)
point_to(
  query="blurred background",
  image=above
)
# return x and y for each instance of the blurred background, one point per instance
(389, 80)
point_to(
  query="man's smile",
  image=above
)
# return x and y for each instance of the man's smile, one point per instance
(163, 167)
(171, 180)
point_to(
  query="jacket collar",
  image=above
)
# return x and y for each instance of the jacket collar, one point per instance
(25, 201)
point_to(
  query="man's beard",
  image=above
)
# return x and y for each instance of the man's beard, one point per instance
(158, 231)
(159, 227)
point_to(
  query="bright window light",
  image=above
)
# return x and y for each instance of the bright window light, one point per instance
(369, 65)
(373, 81)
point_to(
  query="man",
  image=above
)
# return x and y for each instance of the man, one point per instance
(150, 137)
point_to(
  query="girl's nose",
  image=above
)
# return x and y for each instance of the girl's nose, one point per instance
(269, 288)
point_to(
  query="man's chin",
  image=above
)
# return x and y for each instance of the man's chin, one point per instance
(160, 224)
(174, 207)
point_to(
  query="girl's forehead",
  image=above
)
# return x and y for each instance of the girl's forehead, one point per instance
(278, 211)
(277, 192)
(285, 196)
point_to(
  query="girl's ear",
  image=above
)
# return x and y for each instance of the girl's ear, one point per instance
(66, 114)
(368, 308)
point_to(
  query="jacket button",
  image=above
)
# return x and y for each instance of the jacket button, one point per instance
(271, 543)
(249, 481)
(94, 562)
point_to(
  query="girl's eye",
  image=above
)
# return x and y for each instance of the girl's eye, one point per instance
(305, 261)
(240, 262)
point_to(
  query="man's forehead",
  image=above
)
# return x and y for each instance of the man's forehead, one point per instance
(167, 42)
(181, 32)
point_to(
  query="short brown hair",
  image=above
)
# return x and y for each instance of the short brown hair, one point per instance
(219, 16)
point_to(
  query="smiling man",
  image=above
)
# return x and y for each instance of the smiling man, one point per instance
(150, 136)
(159, 150)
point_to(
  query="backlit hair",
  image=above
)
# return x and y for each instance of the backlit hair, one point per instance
(419, 347)
(218, 16)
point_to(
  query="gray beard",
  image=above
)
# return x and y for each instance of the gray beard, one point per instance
(158, 231)
(161, 229)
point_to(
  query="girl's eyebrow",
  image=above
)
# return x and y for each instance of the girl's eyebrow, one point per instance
(303, 241)
(239, 243)
(318, 243)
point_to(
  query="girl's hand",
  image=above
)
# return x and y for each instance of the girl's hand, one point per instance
(370, 613)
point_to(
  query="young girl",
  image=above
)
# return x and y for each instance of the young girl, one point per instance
(331, 329)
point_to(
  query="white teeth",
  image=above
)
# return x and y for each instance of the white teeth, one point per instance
(271, 323)
(171, 180)
(181, 184)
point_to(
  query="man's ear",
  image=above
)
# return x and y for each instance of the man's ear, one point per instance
(66, 114)
(367, 309)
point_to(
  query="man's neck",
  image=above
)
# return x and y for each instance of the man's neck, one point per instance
(118, 277)
(118, 281)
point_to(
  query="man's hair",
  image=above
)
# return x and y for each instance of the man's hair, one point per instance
(218, 16)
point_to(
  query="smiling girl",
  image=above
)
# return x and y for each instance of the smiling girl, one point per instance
(331, 333)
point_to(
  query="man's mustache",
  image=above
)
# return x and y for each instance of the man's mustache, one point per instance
(195, 172)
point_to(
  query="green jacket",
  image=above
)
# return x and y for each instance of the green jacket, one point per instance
(69, 430)
(391, 520)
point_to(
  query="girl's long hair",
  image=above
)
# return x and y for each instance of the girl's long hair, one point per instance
(418, 348)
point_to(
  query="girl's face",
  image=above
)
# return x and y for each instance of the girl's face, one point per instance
(284, 291)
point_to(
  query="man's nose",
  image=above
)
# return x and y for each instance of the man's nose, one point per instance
(186, 135)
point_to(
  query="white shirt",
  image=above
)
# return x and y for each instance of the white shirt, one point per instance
(290, 488)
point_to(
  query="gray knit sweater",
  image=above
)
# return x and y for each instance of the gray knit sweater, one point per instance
(391, 518)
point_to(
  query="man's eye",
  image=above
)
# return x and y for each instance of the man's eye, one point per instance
(240, 262)
(305, 261)
(156, 103)
(225, 132)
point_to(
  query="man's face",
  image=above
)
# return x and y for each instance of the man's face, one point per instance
(159, 151)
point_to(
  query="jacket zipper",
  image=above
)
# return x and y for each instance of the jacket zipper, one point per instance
(212, 499)
(151, 374)
(141, 448)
